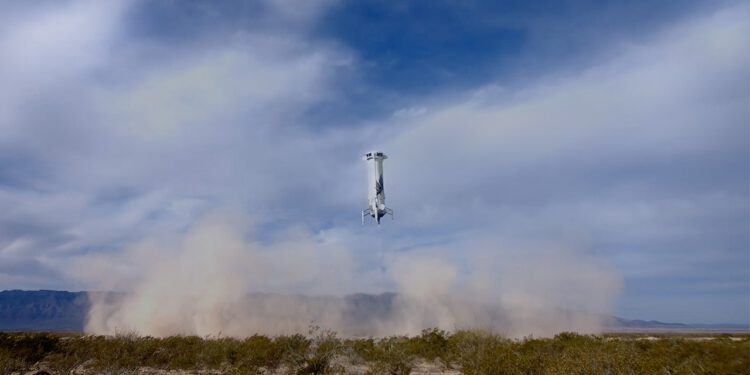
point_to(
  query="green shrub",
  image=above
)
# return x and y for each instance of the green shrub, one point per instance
(258, 352)
(322, 352)
(431, 344)
(18, 352)
(393, 356)
(484, 353)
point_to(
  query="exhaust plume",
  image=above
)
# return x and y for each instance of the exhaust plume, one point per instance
(218, 280)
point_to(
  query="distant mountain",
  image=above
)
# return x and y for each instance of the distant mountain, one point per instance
(50, 310)
(616, 324)
(43, 310)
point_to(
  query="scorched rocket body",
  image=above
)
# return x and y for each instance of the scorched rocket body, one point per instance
(376, 190)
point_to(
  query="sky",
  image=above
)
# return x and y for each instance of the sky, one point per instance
(515, 130)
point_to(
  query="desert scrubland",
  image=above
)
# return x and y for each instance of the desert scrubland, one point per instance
(322, 351)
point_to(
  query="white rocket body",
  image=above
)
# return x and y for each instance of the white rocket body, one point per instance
(376, 190)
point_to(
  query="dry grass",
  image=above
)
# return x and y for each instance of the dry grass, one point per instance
(322, 352)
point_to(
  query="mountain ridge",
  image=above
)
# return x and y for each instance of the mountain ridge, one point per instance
(65, 311)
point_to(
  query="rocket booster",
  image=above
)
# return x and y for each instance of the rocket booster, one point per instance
(376, 190)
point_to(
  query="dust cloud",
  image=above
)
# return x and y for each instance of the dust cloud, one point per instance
(218, 280)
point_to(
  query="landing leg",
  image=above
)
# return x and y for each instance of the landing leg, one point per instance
(365, 213)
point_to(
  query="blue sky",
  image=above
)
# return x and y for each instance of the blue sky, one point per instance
(597, 142)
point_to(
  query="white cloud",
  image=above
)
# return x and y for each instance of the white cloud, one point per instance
(125, 142)
(619, 155)
(680, 98)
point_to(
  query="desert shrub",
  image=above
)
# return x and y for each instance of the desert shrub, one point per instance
(29, 347)
(483, 353)
(72, 352)
(258, 352)
(321, 351)
(19, 352)
(361, 350)
(325, 346)
(217, 353)
(294, 350)
(7, 363)
(685, 355)
(392, 356)
(310, 355)
(115, 354)
(431, 344)
(182, 351)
